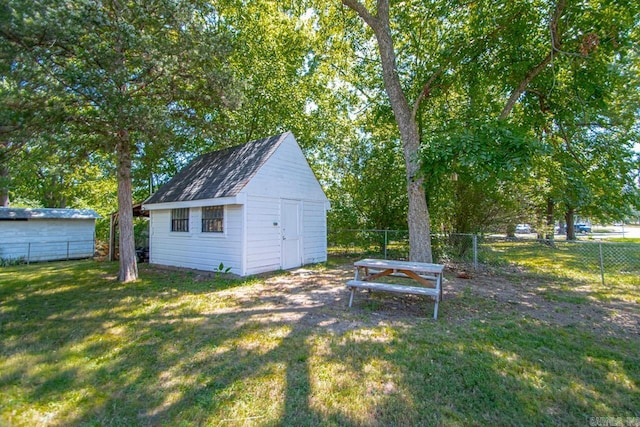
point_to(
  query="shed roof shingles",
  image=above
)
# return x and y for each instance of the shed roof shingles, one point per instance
(217, 174)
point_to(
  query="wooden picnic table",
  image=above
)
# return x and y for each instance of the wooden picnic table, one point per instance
(428, 277)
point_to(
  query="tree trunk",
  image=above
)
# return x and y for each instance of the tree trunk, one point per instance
(568, 217)
(4, 186)
(418, 214)
(128, 265)
(550, 222)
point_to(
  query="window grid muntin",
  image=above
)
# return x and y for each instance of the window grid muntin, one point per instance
(213, 219)
(180, 220)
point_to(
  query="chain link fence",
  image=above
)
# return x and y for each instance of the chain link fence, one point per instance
(599, 257)
(27, 252)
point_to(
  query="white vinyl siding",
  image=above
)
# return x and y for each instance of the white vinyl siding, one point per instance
(286, 175)
(263, 234)
(46, 239)
(314, 232)
(202, 251)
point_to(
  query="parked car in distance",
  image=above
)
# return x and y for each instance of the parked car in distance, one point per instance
(523, 228)
(582, 228)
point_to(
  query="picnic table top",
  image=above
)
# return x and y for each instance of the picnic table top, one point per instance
(385, 264)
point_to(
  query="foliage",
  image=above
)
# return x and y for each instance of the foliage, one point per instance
(46, 175)
(129, 78)
(476, 174)
(361, 170)
(161, 82)
(460, 63)
(221, 269)
(9, 262)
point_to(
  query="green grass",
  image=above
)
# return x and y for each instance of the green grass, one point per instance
(78, 348)
(574, 265)
(625, 239)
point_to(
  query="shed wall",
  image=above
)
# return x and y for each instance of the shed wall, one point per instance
(286, 175)
(195, 249)
(263, 237)
(47, 239)
(314, 232)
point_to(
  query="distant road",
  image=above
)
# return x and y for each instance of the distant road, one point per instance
(628, 231)
(600, 232)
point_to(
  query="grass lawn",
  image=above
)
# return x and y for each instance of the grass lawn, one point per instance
(185, 349)
(576, 263)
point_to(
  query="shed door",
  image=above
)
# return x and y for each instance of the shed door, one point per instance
(291, 234)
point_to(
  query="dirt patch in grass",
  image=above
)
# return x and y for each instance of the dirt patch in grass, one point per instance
(548, 302)
(317, 298)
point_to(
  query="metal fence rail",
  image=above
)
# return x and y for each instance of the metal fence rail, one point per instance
(28, 252)
(596, 256)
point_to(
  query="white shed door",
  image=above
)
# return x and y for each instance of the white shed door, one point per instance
(291, 234)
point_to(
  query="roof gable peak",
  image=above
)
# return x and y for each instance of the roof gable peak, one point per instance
(221, 173)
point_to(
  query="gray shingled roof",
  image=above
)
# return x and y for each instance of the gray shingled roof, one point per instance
(46, 213)
(217, 174)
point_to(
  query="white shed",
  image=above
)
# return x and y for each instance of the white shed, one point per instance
(47, 234)
(254, 208)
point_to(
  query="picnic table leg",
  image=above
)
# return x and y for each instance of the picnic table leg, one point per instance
(439, 296)
(357, 275)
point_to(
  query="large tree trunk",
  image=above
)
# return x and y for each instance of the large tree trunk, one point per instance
(418, 215)
(128, 265)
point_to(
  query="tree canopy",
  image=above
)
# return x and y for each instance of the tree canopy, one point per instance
(446, 115)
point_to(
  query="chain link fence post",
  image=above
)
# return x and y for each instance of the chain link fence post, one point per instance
(386, 242)
(475, 252)
(601, 262)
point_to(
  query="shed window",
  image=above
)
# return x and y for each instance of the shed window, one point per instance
(212, 219)
(180, 219)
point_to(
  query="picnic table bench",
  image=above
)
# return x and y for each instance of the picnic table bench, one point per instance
(425, 274)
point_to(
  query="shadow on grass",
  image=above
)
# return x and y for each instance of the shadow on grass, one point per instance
(80, 349)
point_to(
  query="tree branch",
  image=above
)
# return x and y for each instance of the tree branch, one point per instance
(569, 146)
(362, 11)
(382, 13)
(511, 103)
(425, 92)
(555, 45)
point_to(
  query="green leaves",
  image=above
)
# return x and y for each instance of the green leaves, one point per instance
(184, 77)
(493, 148)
